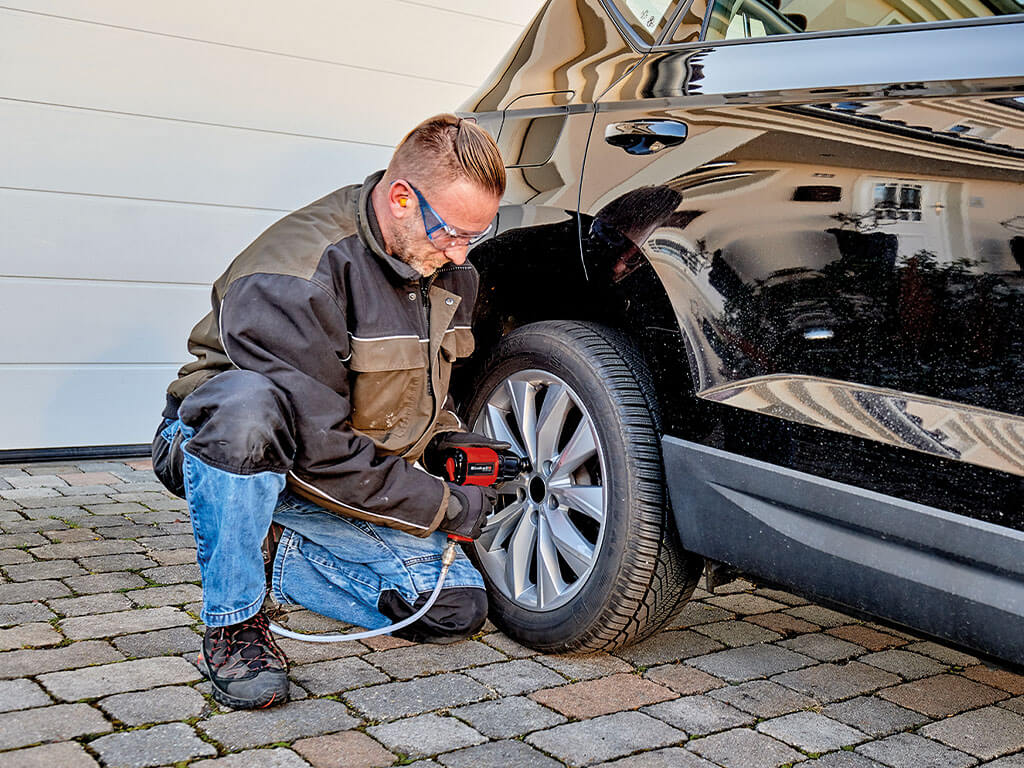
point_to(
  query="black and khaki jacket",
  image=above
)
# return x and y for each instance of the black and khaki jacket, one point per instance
(359, 344)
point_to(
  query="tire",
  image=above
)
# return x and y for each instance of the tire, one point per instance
(595, 560)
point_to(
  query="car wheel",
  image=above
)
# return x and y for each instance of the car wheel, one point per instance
(580, 553)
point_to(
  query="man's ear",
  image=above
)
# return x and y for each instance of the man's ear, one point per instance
(398, 198)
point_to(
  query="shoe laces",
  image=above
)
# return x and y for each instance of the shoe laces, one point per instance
(251, 641)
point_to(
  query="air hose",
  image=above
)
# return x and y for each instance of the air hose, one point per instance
(447, 558)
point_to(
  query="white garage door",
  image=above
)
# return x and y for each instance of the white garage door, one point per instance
(146, 143)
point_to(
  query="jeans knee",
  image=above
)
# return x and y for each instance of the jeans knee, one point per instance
(243, 424)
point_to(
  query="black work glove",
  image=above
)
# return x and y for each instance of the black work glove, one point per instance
(468, 505)
(445, 441)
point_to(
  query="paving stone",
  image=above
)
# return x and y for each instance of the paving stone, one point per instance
(301, 652)
(1013, 761)
(350, 749)
(736, 633)
(738, 665)
(427, 659)
(123, 623)
(174, 556)
(604, 696)
(35, 635)
(328, 677)
(10, 540)
(823, 647)
(870, 638)
(909, 666)
(811, 732)
(32, 590)
(742, 748)
(25, 525)
(294, 720)
(36, 481)
(159, 705)
(59, 511)
(257, 758)
(21, 694)
(673, 757)
(683, 679)
(986, 733)
(56, 723)
(162, 516)
(875, 717)
(71, 535)
(14, 557)
(36, 662)
(498, 754)
(106, 679)
(508, 717)
(67, 754)
(167, 542)
(89, 478)
(159, 745)
(845, 760)
(75, 549)
(91, 604)
(176, 594)
(127, 531)
(177, 574)
(834, 682)
(816, 614)
(763, 698)
(414, 697)
(997, 678)
(1014, 705)
(511, 678)
(425, 735)
(27, 494)
(605, 738)
(699, 715)
(129, 562)
(943, 695)
(22, 613)
(507, 646)
(60, 500)
(906, 750)
(107, 507)
(745, 604)
(700, 613)
(585, 667)
(670, 645)
(942, 653)
(51, 569)
(104, 582)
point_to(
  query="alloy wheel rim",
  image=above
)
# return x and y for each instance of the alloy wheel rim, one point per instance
(541, 543)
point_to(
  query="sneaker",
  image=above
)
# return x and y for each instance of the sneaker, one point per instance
(247, 668)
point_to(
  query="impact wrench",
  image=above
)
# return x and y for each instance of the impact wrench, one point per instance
(466, 465)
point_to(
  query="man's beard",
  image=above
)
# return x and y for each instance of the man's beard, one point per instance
(415, 254)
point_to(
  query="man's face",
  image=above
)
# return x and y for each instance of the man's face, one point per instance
(461, 204)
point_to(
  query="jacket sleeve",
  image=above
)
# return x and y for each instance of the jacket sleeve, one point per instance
(294, 332)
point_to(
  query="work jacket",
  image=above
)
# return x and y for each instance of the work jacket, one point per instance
(360, 345)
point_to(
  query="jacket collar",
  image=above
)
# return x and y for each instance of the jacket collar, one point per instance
(370, 234)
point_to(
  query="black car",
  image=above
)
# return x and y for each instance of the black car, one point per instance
(756, 301)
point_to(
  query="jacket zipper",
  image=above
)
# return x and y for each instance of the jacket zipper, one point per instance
(425, 283)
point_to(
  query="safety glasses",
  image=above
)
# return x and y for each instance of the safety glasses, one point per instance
(439, 232)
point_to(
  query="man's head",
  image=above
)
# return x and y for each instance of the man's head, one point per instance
(441, 190)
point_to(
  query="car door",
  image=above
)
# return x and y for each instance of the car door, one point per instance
(831, 196)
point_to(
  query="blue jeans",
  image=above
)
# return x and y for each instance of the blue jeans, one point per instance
(339, 567)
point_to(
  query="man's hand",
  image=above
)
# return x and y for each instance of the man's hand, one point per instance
(468, 505)
(444, 442)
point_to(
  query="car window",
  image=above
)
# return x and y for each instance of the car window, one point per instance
(741, 19)
(647, 17)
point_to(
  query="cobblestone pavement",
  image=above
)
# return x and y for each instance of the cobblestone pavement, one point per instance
(98, 635)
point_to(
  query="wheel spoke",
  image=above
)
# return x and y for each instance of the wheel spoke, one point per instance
(495, 426)
(551, 420)
(577, 551)
(550, 583)
(500, 525)
(524, 408)
(588, 499)
(520, 553)
(581, 446)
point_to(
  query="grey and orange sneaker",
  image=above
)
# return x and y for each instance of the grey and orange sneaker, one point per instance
(247, 668)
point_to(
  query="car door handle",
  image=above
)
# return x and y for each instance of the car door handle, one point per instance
(645, 137)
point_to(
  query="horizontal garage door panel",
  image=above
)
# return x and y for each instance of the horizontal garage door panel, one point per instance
(65, 406)
(73, 150)
(309, 97)
(81, 321)
(369, 38)
(104, 238)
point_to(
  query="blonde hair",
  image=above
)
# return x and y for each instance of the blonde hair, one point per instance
(444, 148)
